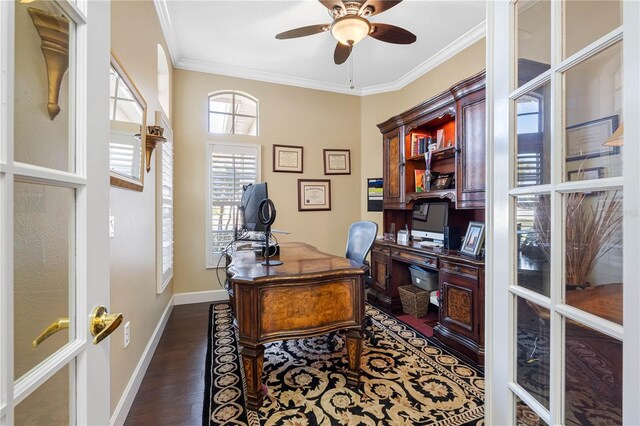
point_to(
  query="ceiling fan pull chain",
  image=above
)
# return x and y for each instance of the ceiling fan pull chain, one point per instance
(351, 71)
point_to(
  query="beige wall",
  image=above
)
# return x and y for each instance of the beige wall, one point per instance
(135, 33)
(377, 108)
(288, 116)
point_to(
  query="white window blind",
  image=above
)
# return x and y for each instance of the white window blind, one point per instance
(230, 167)
(167, 211)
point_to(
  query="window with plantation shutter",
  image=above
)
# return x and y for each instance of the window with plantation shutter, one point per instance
(230, 167)
(167, 211)
(164, 205)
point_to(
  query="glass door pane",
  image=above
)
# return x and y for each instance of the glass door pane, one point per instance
(592, 115)
(49, 404)
(44, 272)
(588, 20)
(533, 228)
(533, 39)
(593, 376)
(533, 362)
(593, 264)
(44, 86)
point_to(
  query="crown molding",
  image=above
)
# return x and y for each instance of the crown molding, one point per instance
(162, 10)
(467, 39)
(212, 68)
(452, 49)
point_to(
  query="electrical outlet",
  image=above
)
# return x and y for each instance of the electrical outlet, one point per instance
(127, 333)
(112, 226)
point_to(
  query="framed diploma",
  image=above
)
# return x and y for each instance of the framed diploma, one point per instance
(586, 140)
(287, 158)
(337, 161)
(314, 194)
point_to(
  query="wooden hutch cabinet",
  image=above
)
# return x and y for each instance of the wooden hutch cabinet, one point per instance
(455, 121)
(471, 112)
(393, 178)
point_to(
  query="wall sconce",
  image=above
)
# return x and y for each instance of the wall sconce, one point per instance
(617, 138)
(54, 33)
(155, 135)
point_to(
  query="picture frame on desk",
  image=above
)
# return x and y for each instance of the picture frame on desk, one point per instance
(473, 239)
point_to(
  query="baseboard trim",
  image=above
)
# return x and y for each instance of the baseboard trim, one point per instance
(124, 405)
(200, 297)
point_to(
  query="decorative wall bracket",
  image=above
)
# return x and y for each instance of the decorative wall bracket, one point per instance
(54, 33)
(155, 135)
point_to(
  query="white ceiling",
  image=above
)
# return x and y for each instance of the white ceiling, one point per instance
(237, 38)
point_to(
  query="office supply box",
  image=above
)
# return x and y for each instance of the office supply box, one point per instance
(426, 280)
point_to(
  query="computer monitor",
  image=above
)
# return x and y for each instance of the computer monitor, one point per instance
(249, 206)
(429, 220)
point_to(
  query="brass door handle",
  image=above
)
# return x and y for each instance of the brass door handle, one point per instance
(53, 328)
(103, 323)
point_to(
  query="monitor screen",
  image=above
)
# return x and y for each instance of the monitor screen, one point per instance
(251, 199)
(429, 219)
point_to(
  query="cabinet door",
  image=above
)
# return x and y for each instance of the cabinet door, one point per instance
(393, 168)
(380, 271)
(459, 310)
(471, 152)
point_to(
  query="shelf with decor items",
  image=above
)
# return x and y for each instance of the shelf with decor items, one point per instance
(458, 116)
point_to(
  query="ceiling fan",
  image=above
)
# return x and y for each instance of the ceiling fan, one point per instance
(351, 25)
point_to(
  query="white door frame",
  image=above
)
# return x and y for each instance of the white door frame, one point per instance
(91, 182)
(499, 309)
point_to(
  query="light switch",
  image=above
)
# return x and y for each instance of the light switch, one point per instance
(112, 226)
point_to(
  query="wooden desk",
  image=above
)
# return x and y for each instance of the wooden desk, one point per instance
(460, 282)
(312, 293)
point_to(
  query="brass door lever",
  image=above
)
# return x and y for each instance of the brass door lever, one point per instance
(53, 328)
(103, 323)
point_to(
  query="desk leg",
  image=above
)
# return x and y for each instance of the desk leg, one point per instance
(252, 359)
(354, 352)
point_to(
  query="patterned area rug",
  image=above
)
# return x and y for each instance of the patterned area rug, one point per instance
(405, 381)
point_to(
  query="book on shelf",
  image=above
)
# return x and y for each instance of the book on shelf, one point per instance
(419, 180)
(418, 144)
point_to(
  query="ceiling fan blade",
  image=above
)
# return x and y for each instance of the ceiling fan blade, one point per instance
(303, 31)
(392, 34)
(331, 4)
(341, 54)
(378, 6)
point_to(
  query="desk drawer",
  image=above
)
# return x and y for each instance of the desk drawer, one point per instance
(457, 268)
(420, 259)
(384, 250)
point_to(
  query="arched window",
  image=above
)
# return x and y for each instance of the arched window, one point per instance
(232, 112)
(163, 80)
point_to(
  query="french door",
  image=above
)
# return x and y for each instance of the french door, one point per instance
(563, 322)
(54, 263)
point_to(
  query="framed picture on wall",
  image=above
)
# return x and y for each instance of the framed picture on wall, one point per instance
(314, 194)
(587, 140)
(287, 158)
(337, 161)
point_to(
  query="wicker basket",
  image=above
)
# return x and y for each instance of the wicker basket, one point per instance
(415, 301)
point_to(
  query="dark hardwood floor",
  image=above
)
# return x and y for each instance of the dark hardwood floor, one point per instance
(172, 391)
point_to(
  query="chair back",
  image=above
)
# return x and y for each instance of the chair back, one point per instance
(360, 240)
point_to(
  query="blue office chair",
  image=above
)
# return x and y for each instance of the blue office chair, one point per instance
(359, 242)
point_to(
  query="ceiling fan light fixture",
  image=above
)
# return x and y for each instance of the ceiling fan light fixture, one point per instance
(350, 30)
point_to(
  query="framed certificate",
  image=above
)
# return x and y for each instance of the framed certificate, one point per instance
(586, 140)
(314, 194)
(337, 161)
(287, 158)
